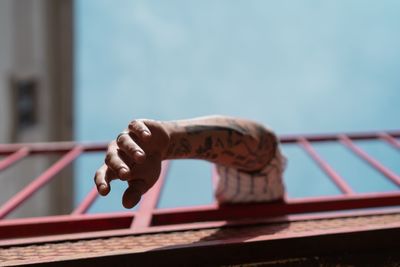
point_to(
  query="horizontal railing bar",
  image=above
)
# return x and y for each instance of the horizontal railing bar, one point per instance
(87, 202)
(60, 147)
(14, 158)
(390, 140)
(335, 137)
(65, 217)
(370, 160)
(257, 210)
(39, 182)
(330, 172)
(63, 224)
(53, 147)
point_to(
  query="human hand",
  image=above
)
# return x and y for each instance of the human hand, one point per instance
(135, 157)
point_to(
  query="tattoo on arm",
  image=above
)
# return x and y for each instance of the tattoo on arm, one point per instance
(182, 148)
(243, 146)
(200, 129)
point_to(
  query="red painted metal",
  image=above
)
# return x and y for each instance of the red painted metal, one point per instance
(42, 223)
(258, 244)
(148, 218)
(390, 140)
(14, 158)
(370, 160)
(335, 137)
(87, 202)
(261, 210)
(332, 174)
(39, 182)
(63, 224)
(150, 201)
(53, 147)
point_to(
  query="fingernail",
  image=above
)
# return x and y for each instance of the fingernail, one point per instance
(139, 153)
(123, 171)
(145, 134)
(102, 188)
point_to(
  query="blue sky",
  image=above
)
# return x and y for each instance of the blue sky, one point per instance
(297, 66)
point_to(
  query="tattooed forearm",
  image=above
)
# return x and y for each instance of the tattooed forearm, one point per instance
(227, 141)
(199, 129)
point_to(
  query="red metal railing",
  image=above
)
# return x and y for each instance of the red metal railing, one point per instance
(148, 218)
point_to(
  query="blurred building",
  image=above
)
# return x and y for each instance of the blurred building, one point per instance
(36, 94)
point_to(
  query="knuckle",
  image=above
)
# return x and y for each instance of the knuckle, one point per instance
(121, 140)
(132, 150)
(108, 158)
(137, 125)
(110, 146)
(97, 174)
(140, 124)
(133, 122)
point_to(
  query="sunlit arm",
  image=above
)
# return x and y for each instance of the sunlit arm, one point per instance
(136, 154)
(234, 142)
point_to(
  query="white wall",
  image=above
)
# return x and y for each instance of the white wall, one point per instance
(30, 35)
(5, 64)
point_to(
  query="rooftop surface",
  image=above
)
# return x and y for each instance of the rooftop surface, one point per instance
(244, 243)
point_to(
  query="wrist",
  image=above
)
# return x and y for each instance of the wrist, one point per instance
(171, 129)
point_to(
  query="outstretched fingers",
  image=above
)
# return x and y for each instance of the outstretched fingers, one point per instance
(134, 158)
(115, 162)
(131, 148)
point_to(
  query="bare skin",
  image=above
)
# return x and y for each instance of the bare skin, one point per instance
(136, 154)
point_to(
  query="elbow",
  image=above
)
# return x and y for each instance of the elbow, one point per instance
(267, 146)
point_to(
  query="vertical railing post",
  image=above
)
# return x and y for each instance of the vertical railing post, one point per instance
(332, 174)
(143, 217)
(86, 203)
(391, 140)
(370, 160)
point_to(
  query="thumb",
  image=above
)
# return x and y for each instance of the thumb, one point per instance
(133, 193)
